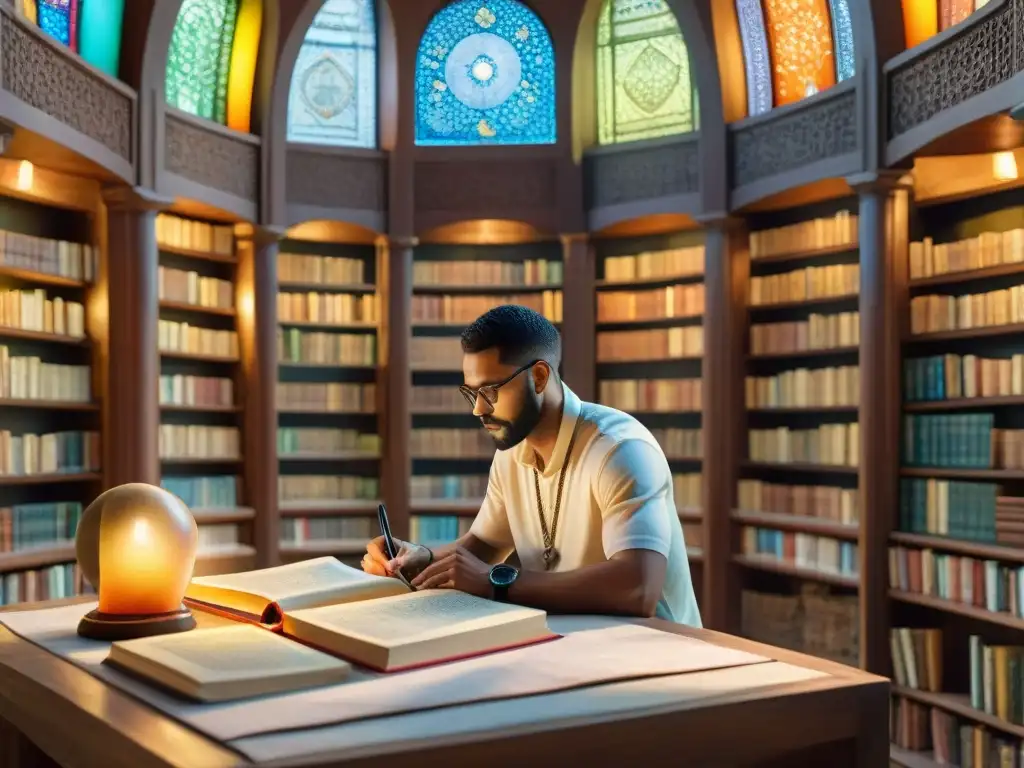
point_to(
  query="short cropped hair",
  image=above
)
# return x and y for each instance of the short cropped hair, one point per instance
(520, 335)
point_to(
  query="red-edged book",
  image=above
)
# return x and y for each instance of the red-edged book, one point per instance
(377, 622)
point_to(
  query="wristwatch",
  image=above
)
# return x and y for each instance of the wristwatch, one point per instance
(503, 576)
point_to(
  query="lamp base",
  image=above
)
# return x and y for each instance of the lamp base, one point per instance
(111, 627)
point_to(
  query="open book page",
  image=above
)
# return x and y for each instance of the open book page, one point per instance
(417, 628)
(227, 663)
(268, 592)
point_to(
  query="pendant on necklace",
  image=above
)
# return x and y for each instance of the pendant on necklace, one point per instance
(550, 557)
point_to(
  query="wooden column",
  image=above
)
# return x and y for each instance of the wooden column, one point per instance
(256, 305)
(132, 409)
(883, 234)
(579, 338)
(723, 419)
(395, 383)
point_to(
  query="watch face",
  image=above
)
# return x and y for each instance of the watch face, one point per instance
(503, 575)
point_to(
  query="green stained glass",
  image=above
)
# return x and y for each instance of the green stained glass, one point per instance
(199, 58)
(644, 85)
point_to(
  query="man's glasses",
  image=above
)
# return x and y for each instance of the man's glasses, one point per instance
(489, 392)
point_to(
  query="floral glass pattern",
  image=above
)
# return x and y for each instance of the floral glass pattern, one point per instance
(800, 36)
(333, 95)
(199, 59)
(644, 85)
(485, 74)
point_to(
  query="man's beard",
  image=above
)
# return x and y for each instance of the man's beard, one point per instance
(512, 433)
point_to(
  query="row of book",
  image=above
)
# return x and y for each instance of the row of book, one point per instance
(805, 388)
(815, 234)
(650, 344)
(935, 313)
(962, 440)
(186, 390)
(48, 256)
(49, 453)
(674, 301)
(679, 443)
(191, 235)
(442, 443)
(988, 249)
(33, 310)
(324, 440)
(833, 280)
(296, 531)
(328, 308)
(949, 739)
(655, 265)
(199, 441)
(437, 529)
(950, 376)
(814, 621)
(651, 395)
(687, 489)
(209, 492)
(39, 524)
(438, 399)
(311, 269)
(980, 583)
(312, 488)
(189, 287)
(191, 339)
(327, 398)
(960, 510)
(824, 502)
(218, 536)
(431, 309)
(486, 272)
(816, 332)
(317, 348)
(454, 487)
(53, 583)
(29, 378)
(428, 353)
(803, 550)
(831, 444)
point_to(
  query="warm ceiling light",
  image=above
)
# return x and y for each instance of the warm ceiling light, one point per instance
(26, 172)
(1004, 166)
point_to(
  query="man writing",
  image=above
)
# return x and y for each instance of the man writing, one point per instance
(581, 492)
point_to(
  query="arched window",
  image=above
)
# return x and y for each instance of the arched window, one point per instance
(333, 95)
(793, 49)
(211, 64)
(485, 74)
(92, 29)
(923, 19)
(643, 80)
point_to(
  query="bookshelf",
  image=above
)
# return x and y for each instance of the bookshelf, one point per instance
(201, 386)
(956, 549)
(453, 284)
(650, 342)
(329, 443)
(50, 397)
(796, 523)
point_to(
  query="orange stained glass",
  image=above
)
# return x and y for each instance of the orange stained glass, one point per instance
(800, 41)
(920, 21)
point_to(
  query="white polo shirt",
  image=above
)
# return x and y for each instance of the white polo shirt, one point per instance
(617, 496)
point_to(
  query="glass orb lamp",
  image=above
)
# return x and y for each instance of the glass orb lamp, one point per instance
(136, 544)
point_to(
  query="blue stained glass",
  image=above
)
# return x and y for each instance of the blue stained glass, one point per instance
(485, 74)
(333, 95)
(755, 56)
(842, 37)
(55, 19)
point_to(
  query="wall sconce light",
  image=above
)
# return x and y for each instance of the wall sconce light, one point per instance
(136, 544)
(1004, 166)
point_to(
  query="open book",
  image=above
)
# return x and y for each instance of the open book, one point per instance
(375, 621)
(227, 663)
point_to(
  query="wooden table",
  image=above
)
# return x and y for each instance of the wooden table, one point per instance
(54, 714)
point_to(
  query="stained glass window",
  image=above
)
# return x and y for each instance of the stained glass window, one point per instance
(644, 87)
(842, 38)
(58, 19)
(333, 96)
(485, 74)
(91, 28)
(199, 59)
(755, 56)
(800, 37)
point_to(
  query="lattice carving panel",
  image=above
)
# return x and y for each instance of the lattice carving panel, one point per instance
(210, 158)
(647, 173)
(485, 186)
(986, 53)
(334, 180)
(817, 131)
(55, 83)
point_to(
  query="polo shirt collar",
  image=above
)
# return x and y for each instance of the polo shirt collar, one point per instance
(571, 408)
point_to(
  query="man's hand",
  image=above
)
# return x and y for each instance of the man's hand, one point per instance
(411, 559)
(461, 570)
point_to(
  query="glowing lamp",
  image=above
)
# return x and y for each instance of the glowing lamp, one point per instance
(136, 544)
